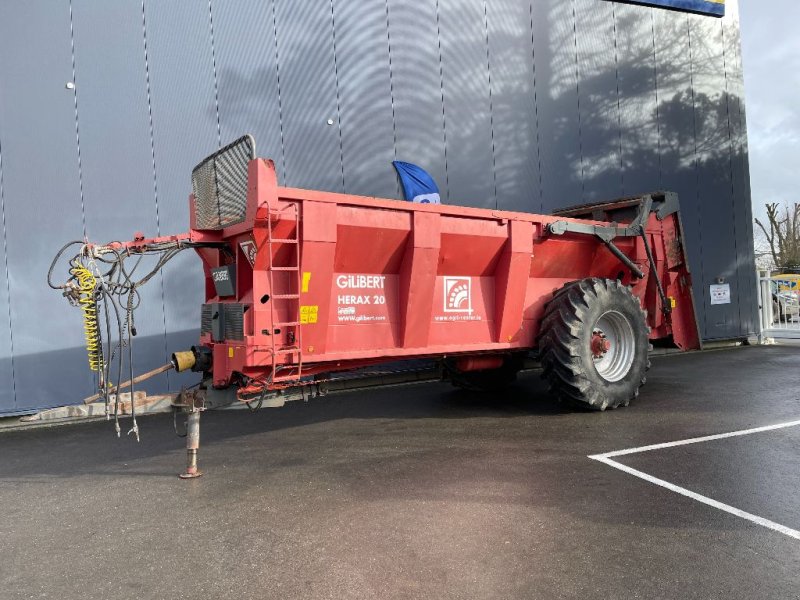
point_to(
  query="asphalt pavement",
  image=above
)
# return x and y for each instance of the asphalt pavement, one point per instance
(423, 491)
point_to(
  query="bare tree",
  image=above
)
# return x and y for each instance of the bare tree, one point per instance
(783, 234)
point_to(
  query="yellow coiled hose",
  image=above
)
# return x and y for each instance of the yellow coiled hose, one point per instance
(88, 305)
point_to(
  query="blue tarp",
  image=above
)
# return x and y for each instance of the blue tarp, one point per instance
(418, 185)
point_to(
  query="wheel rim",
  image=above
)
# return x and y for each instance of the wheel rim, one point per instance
(613, 346)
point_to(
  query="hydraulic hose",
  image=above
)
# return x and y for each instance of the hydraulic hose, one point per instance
(88, 305)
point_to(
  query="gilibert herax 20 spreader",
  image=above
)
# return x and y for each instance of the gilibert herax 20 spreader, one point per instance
(300, 284)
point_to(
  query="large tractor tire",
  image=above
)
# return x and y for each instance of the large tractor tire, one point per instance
(487, 380)
(593, 344)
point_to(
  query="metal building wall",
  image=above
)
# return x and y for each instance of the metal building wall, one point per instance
(517, 104)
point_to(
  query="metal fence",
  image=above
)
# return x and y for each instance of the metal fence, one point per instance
(779, 307)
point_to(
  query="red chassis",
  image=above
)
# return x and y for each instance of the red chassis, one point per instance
(321, 282)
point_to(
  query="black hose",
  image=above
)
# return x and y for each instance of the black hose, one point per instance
(55, 260)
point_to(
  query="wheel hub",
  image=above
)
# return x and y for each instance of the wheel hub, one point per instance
(600, 344)
(613, 346)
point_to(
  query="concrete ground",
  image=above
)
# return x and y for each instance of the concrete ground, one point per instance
(422, 492)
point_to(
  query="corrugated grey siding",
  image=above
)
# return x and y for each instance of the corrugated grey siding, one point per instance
(43, 201)
(520, 104)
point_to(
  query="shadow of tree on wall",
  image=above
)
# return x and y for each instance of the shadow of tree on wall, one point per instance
(588, 102)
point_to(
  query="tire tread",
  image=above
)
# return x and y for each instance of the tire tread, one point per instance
(559, 341)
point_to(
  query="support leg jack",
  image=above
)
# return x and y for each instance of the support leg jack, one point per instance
(192, 442)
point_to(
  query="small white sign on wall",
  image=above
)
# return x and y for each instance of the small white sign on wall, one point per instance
(721, 294)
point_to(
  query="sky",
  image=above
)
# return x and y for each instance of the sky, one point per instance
(771, 61)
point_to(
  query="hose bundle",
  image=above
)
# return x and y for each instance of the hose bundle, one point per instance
(102, 284)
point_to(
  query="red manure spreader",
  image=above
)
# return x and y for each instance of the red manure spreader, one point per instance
(300, 284)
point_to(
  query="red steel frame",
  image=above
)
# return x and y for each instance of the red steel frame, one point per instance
(340, 281)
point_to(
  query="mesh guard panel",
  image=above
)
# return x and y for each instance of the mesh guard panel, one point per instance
(205, 319)
(219, 184)
(234, 321)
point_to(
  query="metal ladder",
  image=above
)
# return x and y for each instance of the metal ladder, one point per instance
(289, 301)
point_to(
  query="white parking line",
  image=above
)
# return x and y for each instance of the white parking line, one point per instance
(707, 438)
(606, 458)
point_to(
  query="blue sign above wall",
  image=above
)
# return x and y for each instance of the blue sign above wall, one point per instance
(715, 8)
